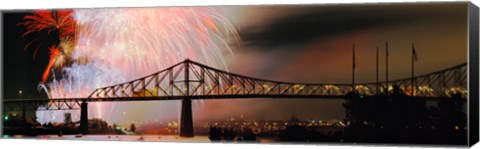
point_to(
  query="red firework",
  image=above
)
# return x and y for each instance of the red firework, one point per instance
(61, 20)
(46, 20)
(54, 53)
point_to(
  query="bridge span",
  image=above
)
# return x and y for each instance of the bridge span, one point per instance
(189, 80)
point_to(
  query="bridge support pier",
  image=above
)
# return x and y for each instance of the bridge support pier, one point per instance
(186, 122)
(84, 117)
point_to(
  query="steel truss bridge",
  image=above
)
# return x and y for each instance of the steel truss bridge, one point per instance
(189, 80)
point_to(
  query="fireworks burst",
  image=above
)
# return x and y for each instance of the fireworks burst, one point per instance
(112, 46)
(57, 58)
(46, 20)
(60, 20)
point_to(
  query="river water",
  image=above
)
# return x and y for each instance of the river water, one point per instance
(151, 138)
(147, 138)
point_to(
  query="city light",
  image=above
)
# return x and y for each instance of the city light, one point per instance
(20, 93)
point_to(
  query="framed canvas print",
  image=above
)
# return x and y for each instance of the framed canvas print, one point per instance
(380, 73)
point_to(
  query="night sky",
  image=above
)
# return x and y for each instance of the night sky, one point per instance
(310, 44)
(313, 44)
(21, 70)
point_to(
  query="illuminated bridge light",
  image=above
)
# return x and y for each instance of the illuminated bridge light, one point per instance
(424, 90)
(298, 86)
(390, 88)
(455, 90)
(267, 88)
(362, 89)
(330, 89)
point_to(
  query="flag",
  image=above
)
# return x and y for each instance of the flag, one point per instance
(414, 54)
(353, 51)
(386, 48)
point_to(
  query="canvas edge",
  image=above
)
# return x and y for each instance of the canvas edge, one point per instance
(473, 81)
(473, 69)
(1, 73)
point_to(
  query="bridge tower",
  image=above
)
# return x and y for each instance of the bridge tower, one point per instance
(84, 117)
(186, 122)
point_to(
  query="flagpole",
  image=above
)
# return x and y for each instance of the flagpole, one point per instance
(413, 69)
(386, 65)
(377, 84)
(353, 68)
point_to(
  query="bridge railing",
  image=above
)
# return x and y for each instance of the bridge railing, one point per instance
(42, 104)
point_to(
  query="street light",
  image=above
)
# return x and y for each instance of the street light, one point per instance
(20, 93)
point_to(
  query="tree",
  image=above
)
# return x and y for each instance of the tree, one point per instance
(68, 118)
(294, 133)
(248, 135)
(214, 134)
(396, 118)
(450, 120)
(97, 124)
(132, 128)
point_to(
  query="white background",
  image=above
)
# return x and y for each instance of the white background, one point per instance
(65, 144)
